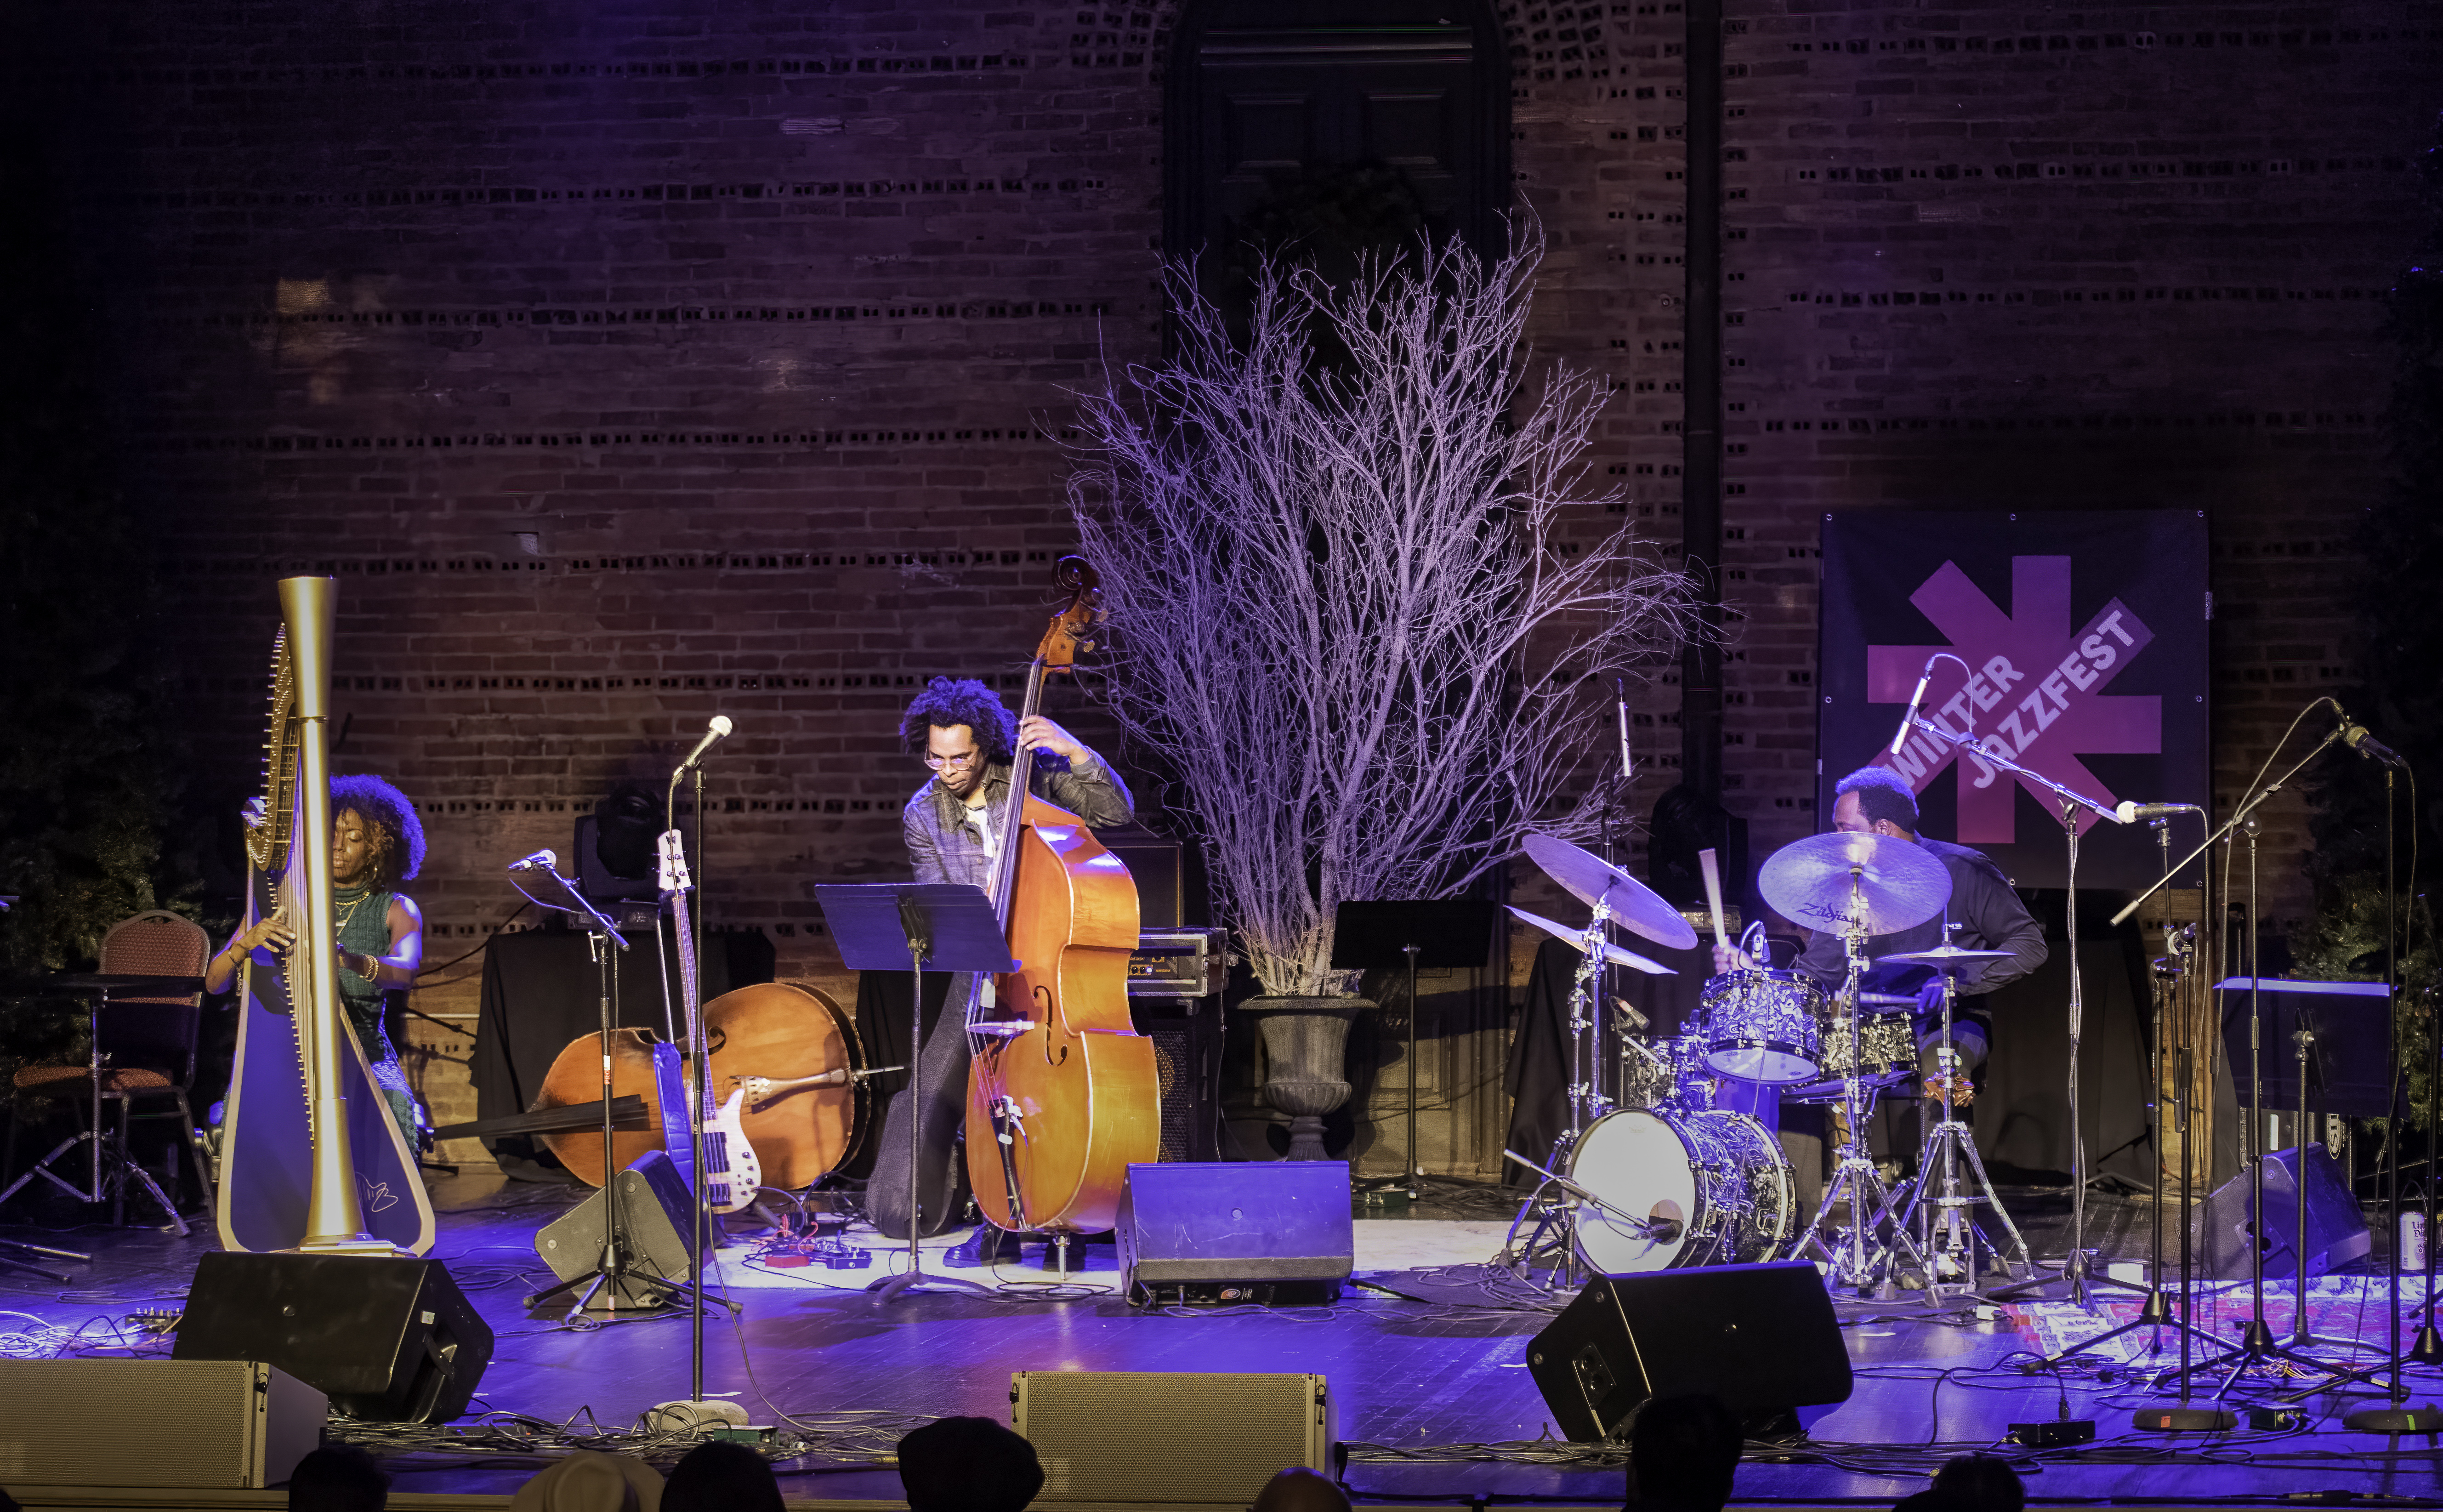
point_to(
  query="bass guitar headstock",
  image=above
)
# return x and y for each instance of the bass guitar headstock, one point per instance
(670, 865)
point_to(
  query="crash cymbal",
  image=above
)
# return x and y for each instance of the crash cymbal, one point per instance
(120, 982)
(1575, 940)
(1950, 956)
(1899, 886)
(1591, 879)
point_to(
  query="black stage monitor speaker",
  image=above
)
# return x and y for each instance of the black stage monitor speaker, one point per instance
(2336, 1231)
(657, 1204)
(1762, 1338)
(393, 1341)
(1237, 1225)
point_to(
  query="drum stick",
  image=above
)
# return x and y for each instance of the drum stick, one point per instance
(1713, 896)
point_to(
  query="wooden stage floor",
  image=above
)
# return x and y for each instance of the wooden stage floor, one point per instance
(1416, 1384)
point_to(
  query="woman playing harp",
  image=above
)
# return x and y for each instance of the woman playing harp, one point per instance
(375, 844)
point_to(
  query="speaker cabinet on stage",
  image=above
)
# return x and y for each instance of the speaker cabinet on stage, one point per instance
(2336, 1231)
(657, 1204)
(221, 1425)
(1170, 1439)
(394, 1340)
(1762, 1338)
(1281, 1228)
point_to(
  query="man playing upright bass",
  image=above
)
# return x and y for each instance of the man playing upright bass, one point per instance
(961, 729)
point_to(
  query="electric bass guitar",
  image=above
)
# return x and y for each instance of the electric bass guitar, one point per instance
(731, 1174)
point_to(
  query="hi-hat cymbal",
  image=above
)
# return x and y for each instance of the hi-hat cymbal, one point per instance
(1577, 940)
(1899, 885)
(1951, 957)
(1593, 880)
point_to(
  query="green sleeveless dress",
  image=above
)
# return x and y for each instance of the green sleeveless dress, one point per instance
(366, 931)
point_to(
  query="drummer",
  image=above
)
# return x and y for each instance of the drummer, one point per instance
(1988, 916)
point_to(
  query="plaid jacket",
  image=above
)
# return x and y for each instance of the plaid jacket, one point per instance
(943, 848)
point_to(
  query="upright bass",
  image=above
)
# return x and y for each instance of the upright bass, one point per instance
(1061, 1089)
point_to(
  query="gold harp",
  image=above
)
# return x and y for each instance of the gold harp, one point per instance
(311, 1162)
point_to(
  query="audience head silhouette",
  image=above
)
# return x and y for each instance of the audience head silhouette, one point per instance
(342, 1478)
(968, 1465)
(721, 1478)
(1972, 1483)
(1300, 1489)
(1682, 1454)
(589, 1481)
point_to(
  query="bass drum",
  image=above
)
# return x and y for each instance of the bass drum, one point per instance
(1715, 1186)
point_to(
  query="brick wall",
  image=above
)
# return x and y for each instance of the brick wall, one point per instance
(629, 364)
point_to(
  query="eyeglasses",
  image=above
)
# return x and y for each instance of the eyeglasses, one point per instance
(965, 757)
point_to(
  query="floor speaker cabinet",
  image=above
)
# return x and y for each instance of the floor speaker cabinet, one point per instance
(1176, 1440)
(1762, 1338)
(233, 1425)
(656, 1204)
(2337, 1232)
(1187, 1035)
(1235, 1231)
(393, 1341)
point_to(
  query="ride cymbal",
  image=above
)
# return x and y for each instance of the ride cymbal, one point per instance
(1899, 886)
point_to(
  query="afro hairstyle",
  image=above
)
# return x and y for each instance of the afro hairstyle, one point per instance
(398, 837)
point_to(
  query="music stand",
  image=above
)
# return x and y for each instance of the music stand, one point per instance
(923, 926)
(1443, 933)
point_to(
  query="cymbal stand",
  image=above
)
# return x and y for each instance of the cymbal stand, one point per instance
(1855, 1177)
(1946, 1216)
(1558, 1218)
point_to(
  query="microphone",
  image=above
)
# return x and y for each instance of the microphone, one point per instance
(2133, 812)
(538, 861)
(715, 730)
(2357, 738)
(1900, 736)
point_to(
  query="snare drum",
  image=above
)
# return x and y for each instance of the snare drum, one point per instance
(1763, 1025)
(1714, 1187)
(1890, 1055)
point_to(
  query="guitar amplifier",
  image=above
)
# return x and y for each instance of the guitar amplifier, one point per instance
(1179, 963)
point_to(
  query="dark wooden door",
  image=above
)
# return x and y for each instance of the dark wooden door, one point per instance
(1277, 106)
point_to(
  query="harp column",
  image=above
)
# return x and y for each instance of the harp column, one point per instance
(335, 1218)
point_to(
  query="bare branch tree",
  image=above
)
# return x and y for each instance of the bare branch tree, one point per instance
(1337, 602)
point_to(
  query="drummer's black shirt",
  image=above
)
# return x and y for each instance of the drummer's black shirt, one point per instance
(1990, 916)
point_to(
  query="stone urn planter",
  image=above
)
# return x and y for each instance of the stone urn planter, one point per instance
(1306, 1046)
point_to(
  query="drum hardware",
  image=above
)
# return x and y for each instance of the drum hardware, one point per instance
(1945, 1219)
(1610, 892)
(1889, 885)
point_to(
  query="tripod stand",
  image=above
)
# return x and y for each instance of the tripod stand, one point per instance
(2168, 973)
(1948, 1214)
(1855, 1177)
(1439, 934)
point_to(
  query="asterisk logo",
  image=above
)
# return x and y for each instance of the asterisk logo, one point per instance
(2037, 694)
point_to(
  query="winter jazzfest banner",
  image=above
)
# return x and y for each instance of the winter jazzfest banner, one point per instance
(2085, 639)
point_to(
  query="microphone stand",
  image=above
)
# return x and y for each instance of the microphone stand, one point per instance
(619, 1267)
(2074, 1264)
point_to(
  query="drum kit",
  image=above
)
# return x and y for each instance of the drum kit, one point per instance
(1673, 1172)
